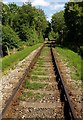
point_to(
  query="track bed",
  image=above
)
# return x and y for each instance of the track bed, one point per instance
(41, 93)
(39, 97)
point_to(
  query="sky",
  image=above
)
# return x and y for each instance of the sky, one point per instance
(49, 6)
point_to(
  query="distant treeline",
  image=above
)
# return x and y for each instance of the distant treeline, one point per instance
(67, 26)
(21, 26)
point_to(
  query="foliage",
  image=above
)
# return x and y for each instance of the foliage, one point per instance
(48, 30)
(9, 38)
(29, 18)
(26, 21)
(40, 21)
(58, 25)
(28, 34)
(58, 21)
(8, 13)
(5, 14)
(81, 51)
(52, 35)
(73, 19)
(68, 25)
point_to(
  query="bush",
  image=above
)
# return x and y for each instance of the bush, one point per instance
(9, 39)
(29, 35)
(52, 35)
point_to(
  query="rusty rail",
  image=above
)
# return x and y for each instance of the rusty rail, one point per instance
(69, 111)
(20, 83)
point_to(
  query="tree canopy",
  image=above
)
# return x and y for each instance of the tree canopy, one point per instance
(70, 22)
(28, 24)
(58, 21)
(25, 22)
(73, 18)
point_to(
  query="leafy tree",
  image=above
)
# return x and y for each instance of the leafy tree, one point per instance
(48, 31)
(5, 14)
(22, 22)
(58, 21)
(29, 34)
(13, 8)
(27, 17)
(24, 16)
(40, 21)
(73, 19)
(58, 26)
(52, 35)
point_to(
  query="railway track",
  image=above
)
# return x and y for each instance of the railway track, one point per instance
(41, 93)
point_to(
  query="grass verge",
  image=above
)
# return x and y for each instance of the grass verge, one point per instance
(73, 61)
(10, 61)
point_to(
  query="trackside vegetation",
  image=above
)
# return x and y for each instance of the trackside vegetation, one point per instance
(67, 26)
(21, 26)
(25, 27)
(73, 61)
(10, 61)
(67, 30)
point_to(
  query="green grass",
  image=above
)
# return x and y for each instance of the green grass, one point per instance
(73, 61)
(40, 62)
(45, 51)
(10, 61)
(31, 95)
(0, 64)
(34, 85)
(39, 68)
(35, 78)
(39, 72)
(26, 95)
(40, 58)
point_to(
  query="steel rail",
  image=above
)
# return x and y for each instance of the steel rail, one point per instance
(59, 77)
(63, 86)
(20, 83)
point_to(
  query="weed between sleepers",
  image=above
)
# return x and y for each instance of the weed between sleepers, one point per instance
(31, 95)
(34, 85)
